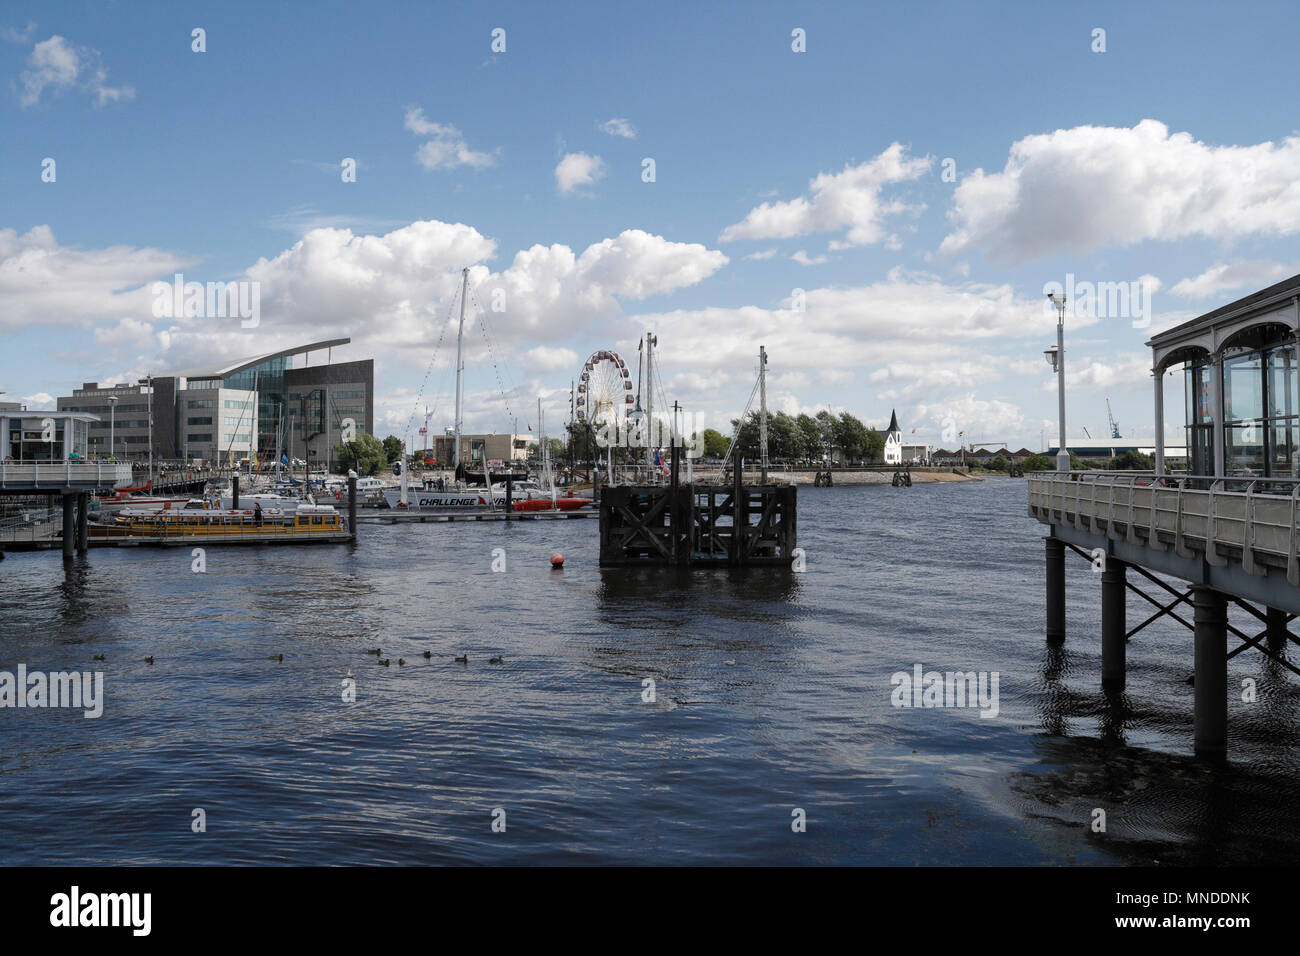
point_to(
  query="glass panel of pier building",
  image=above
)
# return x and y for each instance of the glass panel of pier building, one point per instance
(1200, 426)
(1243, 378)
(1245, 449)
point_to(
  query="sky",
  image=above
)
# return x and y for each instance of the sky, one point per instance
(878, 193)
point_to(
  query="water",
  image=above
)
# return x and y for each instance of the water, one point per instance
(772, 693)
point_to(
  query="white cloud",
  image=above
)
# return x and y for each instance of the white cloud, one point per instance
(903, 318)
(980, 420)
(764, 254)
(578, 169)
(1087, 187)
(445, 147)
(545, 358)
(1232, 275)
(618, 127)
(40, 401)
(1128, 372)
(45, 284)
(12, 35)
(57, 65)
(849, 200)
(804, 259)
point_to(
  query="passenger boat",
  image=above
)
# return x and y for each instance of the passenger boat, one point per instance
(306, 520)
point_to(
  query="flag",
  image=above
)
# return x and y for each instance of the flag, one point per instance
(659, 460)
(284, 459)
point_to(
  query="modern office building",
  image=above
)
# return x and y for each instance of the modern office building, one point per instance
(245, 409)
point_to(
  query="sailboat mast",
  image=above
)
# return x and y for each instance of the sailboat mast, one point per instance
(460, 365)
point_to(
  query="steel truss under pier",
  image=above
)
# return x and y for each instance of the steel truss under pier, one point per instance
(1232, 546)
(697, 524)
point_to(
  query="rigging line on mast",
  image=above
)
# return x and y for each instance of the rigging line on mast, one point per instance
(432, 360)
(483, 330)
(740, 422)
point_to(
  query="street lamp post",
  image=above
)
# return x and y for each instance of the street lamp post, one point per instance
(1056, 358)
(112, 419)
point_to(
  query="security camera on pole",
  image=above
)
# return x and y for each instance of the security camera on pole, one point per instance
(1056, 358)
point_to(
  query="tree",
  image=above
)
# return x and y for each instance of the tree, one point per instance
(856, 440)
(1038, 463)
(809, 437)
(365, 455)
(392, 448)
(826, 422)
(1132, 461)
(715, 443)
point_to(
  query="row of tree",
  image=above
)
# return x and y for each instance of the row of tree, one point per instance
(841, 437)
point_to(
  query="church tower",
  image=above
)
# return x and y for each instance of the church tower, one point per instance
(894, 441)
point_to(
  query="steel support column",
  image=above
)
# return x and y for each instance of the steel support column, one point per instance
(1055, 590)
(1211, 680)
(1113, 628)
(69, 502)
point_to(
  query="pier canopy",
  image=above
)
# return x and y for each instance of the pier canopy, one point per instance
(1242, 385)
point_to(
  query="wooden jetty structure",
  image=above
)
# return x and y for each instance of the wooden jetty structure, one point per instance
(1228, 528)
(732, 524)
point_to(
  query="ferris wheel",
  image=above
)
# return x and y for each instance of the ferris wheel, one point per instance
(604, 389)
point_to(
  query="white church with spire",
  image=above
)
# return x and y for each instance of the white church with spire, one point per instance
(896, 451)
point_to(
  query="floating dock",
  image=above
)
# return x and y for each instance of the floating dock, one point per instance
(419, 517)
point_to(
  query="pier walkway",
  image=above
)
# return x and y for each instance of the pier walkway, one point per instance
(1234, 541)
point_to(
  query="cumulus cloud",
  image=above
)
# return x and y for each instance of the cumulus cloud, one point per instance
(762, 254)
(394, 294)
(850, 200)
(1231, 275)
(43, 283)
(546, 358)
(903, 318)
(1125, 372)
(444, 146)
(618, 127)
(57, 65)
(804, 259)
(1087, 187)
(578, 169)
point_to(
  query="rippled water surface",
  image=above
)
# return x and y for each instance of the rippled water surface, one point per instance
(772, 693)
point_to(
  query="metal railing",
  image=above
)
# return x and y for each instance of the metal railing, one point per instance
(64, 474)
(1256, 517)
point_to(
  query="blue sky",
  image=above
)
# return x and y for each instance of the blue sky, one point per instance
(921, 294)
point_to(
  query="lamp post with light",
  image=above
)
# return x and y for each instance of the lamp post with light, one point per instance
(1056, 358)
(112, 418)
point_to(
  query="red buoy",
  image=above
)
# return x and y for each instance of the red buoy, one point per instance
(557, 560)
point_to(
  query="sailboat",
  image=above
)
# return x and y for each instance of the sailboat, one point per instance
(429, 496)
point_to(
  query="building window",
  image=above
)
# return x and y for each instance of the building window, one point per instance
(207, 437)
(199, 421)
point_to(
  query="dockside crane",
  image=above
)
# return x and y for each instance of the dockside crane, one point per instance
(1114, 425)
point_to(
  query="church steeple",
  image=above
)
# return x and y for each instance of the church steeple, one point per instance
(893, 423)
